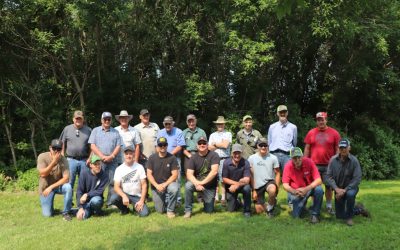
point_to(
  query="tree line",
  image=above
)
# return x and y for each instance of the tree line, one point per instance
(209, 58)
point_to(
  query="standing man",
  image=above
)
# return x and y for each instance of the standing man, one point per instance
(105, 142)
(75, 145)
(301, 180)
(236, 177)
(130, 185)
(321, 143)
(266, 178)
(344, 176)
(220, 142)
(54, 179)
(191, 134)
(162, 172)
(201, 177)
(248, 137)
(282, 136)
(91, 186)
(129, 135)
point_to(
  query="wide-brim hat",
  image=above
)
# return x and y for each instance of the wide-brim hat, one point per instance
(123, 113)
(220, 120)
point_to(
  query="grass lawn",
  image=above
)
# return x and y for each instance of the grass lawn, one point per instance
(23, 227)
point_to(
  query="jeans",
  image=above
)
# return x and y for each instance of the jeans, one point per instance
(93, 206)
(133, 199)
(299, 203)
(221, 165)
(48, 201)
(109, 168)
(282, 159)
(75, 168)
(345, 206)
(160, 203)
(208, 195)
(232, 202)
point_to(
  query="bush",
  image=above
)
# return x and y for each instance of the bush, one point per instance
(28, 180)
(5, 182)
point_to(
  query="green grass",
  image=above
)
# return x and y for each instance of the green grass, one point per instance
(23, 227)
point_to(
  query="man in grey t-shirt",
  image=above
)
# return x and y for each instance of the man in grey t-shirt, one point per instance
(75, 145)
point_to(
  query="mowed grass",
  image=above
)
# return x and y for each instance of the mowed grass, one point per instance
(23, 227)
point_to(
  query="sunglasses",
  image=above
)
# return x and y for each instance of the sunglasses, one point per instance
(56, 149)
(107, 119)
(167, 124)
(202, 143)
(263, 145)
(162, 145)
(77, 133)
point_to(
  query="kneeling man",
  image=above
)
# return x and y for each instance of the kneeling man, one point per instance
(162, 172)
(130, 185)
(301, 180)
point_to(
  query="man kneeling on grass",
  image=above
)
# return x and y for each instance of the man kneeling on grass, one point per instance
(301, 180)
(130, 185)
(344, 176)
(89, 194)
(54, 179)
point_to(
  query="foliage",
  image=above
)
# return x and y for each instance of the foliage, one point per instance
(5, 181)
(28, 180)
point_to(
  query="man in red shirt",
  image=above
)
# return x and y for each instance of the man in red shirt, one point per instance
(301, 180)
(321, 143)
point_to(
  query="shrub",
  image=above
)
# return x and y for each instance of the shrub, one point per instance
(5, 182)
(28, 180)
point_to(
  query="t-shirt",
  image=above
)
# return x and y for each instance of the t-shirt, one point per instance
(148, 135)
(130, 178)
(76, 141)
(263, 167)
(129, 137)
(162, 167)
(217, 137)
(202, 167)
(323, 144)
(235, 173)
(55, 174)
(302, 177)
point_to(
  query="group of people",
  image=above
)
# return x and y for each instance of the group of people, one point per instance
(127, 159)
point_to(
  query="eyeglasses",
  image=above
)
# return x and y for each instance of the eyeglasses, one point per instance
(56, 149)
(107, 119)
(162, 145)
(77, 133)
(202, 143)
(263, 145)
(167, 124)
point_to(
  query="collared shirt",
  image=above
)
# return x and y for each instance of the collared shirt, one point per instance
(282, 136)
(105, 140)
(235, 173)
(174, 138)
(191, 138)
(129, 137)
(297, 178)
(148, 136)
(248, 141)
(217, 137)
(263, 167)
(346, 175)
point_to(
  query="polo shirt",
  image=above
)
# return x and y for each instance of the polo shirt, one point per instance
(297, 178)
(235, 173)
(174, 138)
(191, 138)
(76, 141)
(148, 136)
(282, 136)
(217, 137)
(323, 144)
(105, 140)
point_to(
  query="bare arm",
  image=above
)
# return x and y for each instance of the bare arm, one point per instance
(176, 150)
(97, 151)
(211, 175)
(277, 177)
(307, 150)
(191, 178)
(43, 172)
(137, 152)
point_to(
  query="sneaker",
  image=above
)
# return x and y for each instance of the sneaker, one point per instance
(170, 215)
(362, 210)
(124, 211)
(349, 222)
(67, 217)
(330, 211)
(247, 214)
(187, 215)
(314, 219)
(270, 214)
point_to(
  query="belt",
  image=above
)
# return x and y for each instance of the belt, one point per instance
(78, 158)
(280, 151)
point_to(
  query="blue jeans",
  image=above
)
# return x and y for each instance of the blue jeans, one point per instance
(160, 203)
(208, 196)
(282, 159)
(299, 203)
(231, 198)
(93, 206)
(133, 199)
(109, 169)
(345, 206)
(221, 165)
(48, 201)
(75, 168)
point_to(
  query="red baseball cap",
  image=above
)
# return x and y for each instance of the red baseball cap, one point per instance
(321, 115)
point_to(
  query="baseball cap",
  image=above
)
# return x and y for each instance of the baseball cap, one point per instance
(236, 148)
(281, 108)
(296, 152)
(246, 117)
(202, 138)
(94, 158)
(106, 115)
(344, 143)
(162, 140)
(144, 111)
(56, 143)
(321, 115)
(78, 113)
(129, 148)
(262, 140)
(191, 117)
(168, 119)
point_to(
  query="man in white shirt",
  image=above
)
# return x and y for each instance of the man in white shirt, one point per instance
(129, 135)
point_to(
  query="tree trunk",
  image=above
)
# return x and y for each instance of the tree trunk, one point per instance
(9, 138)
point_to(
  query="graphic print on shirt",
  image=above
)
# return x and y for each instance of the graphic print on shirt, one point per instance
(129, 178)
(321, 138)
(203, 170)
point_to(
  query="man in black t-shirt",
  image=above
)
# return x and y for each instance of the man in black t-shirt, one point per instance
(201, 174)
(162, 172)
